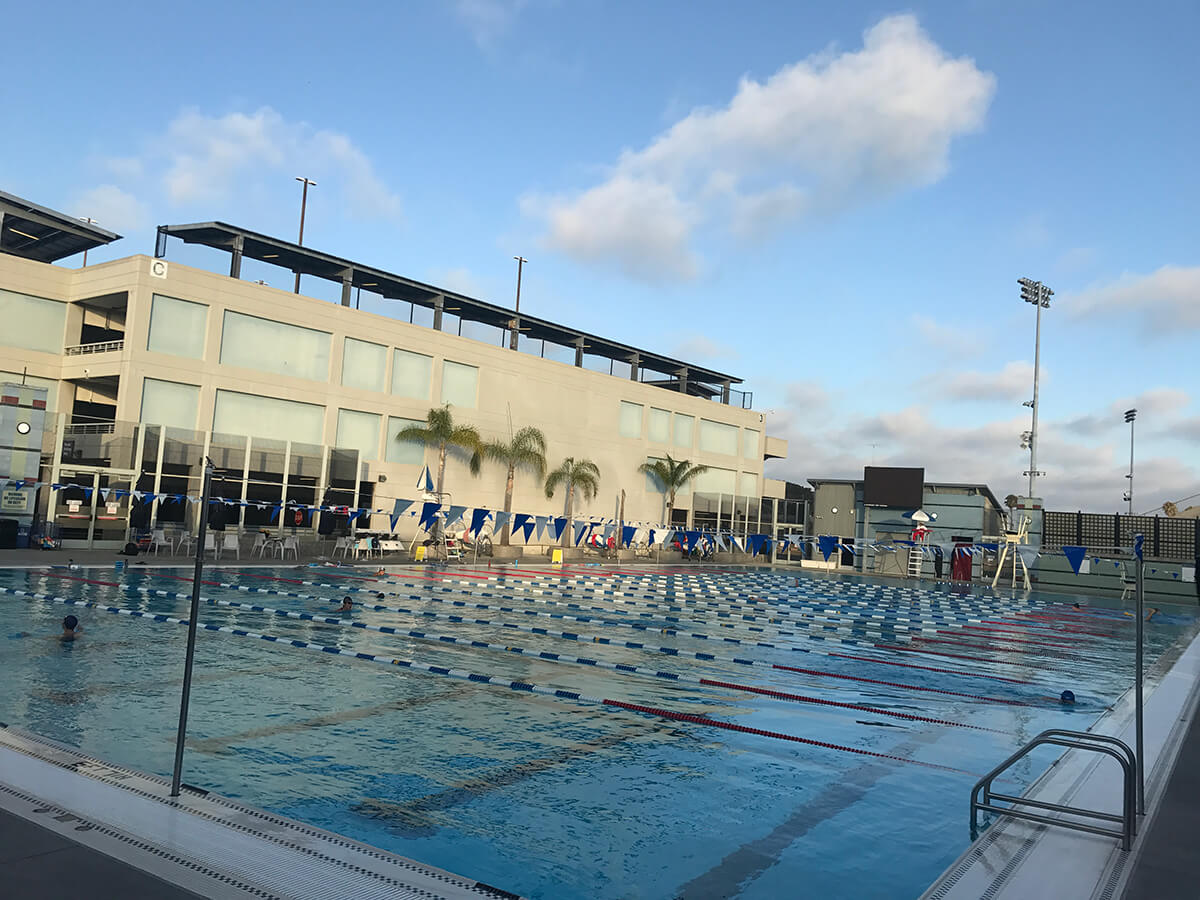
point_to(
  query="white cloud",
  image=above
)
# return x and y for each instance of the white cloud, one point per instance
(207, 163)
(1167, 300)
(112, 208)
(1013, 382)
(818, 136)
(1080, 474)
(698, 347)
(487, 20)
(1157, 408)
(459, 280)
(202, 155)
(951, 339)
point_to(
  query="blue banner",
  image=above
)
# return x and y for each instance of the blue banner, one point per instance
(827, 544)
(627, 534)
(478, 517)
(1075, 556)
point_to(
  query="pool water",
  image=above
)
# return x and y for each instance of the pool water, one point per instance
(553, 797)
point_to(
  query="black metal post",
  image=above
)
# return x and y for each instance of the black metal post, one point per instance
(191, 638)
(1139, 613)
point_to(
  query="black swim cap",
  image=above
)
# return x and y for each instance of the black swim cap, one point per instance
(71, 622)
(1067, 697)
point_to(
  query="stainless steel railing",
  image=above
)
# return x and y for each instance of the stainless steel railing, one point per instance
(1073, 740)
(101, 347)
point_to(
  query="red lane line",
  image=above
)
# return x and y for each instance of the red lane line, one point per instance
(745, 729)
(268, 577)
(974, 659)
(800, 698)
(1004, 637)
(900, 684)
(445, 572)
(993, 648)
(889, 662)
(84, 580)
(1030, 632)
(325, 574)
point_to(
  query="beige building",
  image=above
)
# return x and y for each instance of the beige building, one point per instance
(150, 365)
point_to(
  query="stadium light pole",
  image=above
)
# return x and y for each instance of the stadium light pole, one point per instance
(90, 221)
(516, 322)
(1039, 295)
(1130, 415)
(306, 181)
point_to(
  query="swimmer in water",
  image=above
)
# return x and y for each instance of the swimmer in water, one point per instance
(71, 629)
(380, 572)
(347, 605)
(1067, 698)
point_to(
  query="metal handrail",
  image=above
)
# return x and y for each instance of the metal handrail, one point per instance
(99, 347)
(1072, 740)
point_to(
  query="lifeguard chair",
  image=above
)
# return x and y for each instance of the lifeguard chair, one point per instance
(1013, 539)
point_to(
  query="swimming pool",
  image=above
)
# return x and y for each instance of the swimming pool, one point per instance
(863, 710)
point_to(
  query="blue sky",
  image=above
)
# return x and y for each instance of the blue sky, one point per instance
(832, 201)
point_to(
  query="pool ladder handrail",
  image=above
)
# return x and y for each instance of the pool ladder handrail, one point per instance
(1072, 740)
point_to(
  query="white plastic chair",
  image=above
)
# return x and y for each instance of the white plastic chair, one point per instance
(230, 542)
(362, 547)
(159, 539)
(260, 543)
(341, 545)
(186, 544)
(210, 544)
(290, 543)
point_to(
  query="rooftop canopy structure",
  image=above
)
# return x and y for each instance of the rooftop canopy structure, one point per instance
(44, 235)
(241, 243)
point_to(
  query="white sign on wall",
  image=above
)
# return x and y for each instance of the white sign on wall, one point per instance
(110, 508)
(1187, 573)
(15, 501)
(73, 506)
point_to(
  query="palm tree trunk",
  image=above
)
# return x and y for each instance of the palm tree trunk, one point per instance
(437, 524)
(508, 492)
(568, 531)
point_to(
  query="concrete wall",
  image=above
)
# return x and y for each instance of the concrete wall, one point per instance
(576, 408)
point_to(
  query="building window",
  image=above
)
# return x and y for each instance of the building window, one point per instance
(750, 444)
(411, 374)
(747, 484)
(32, 323)
(177, 327)
(359, 431)
(659, 428)
(364, 365)
(459, 384)
(715, 481)
(717, 437)
(404, 452)
(630, 423)
(268, 346)
(683, 430)
(268, 417)
(170, 403)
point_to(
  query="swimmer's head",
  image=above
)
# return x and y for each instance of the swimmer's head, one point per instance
(70, 623)
(1067, 698)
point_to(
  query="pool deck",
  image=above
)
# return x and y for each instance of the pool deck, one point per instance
(70, 824)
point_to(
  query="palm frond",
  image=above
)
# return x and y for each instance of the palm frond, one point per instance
(417, 434)
(554, 479)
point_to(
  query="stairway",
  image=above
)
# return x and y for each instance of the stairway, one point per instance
(916, 556)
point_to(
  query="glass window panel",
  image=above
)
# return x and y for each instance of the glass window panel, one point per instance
(750, 444)
(177, 327)
(683, 430)
(715, 481)
(411, 374)
(747, 484)
(631, 420)
(659, 427)
(717, 437)
(170, 403)
(364, 365)
(237, 413)
(278, 347)
(359, 431)
(405, 452)
(459, 384)
(32, 323)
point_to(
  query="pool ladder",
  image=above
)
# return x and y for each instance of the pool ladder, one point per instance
(1072, 740)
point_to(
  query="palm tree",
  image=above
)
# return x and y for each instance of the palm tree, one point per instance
(672, 475)
(526, 450)
(581, 474)
(440, 431)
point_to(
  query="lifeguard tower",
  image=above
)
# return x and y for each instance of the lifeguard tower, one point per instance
(1013, 540)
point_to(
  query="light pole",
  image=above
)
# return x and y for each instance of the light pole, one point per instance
(1130, 415)
(89, 220)
(516, 322)
(1039, 295)
(303, 206)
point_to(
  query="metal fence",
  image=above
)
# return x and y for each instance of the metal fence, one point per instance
(1166, 538)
